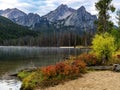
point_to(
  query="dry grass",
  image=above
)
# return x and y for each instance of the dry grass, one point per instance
(97, 80)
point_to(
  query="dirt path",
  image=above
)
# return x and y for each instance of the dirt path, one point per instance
(97, 80)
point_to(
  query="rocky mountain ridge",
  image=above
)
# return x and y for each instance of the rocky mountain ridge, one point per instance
(63, 16)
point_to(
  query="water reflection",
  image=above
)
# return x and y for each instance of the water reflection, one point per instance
(13, 59)
(10, 84)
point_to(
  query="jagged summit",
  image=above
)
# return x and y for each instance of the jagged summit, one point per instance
(81, 9)
(12, 13)
(62, 6)
(62, 12)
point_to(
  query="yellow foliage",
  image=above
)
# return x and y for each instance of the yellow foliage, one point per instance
(103, 45)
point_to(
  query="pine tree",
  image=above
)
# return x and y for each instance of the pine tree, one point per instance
(118, 18)
(103, 7)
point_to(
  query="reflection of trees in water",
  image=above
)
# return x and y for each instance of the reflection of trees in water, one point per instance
(16, 58)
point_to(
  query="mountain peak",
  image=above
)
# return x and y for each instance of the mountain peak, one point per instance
(82, 8)
(63, 6)
(12, 13)
(15, 9)
(62, 12)
(11, 9)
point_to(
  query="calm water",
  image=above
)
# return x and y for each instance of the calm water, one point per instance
(13, 59)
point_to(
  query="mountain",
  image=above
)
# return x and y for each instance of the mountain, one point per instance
(62, 18)
(81, 19)
(62, 12)
(22, 18)
(12, 13)
(10, 30)
(27, 20)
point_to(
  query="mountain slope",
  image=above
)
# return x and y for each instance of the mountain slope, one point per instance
(12, 13)
(60, 13)
(10, 30)
(81, 19)
(22, 18)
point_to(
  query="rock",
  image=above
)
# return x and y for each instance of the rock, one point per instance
(116, 67)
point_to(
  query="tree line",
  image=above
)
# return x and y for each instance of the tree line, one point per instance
(56, 39)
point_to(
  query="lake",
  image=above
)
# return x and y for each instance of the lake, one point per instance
(16, 58)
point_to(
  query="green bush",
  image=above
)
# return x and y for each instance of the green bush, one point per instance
(103, 45)
(23, 74)
(29, 82)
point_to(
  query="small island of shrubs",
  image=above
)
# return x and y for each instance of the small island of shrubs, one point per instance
(52, 75)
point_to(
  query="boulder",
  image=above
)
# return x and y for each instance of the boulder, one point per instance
(116, 67)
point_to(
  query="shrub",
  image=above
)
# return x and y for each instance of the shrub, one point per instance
(60, 68)
(63, 70)
(115, 59)
(49, 72)
(103, 45)
(29, 82)
(79, 65)
(23, 74)
(89, 59)
(54, 74)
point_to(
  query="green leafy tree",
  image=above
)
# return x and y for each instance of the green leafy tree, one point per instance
(116, 34)
(103, 46)
(104, 7)
(118, 18)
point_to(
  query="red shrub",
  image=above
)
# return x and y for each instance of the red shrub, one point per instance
(89, 59)
(75, 70)
(60, 68)
(118, 56)
(79, 65)
(49, 71)
(63, 70)
(67, 69)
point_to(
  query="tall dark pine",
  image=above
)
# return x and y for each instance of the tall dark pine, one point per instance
(118, 18)
(104, 7)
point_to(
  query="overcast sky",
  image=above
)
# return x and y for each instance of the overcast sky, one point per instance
(42, 7)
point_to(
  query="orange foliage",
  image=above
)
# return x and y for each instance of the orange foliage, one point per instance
(118, 56)
(89, 59)
(49, 71)
(63, 69)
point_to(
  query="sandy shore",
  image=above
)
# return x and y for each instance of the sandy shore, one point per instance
(96, 80)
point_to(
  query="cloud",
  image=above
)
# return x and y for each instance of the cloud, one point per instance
(42, 7)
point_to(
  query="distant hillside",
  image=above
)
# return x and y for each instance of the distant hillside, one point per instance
(10, 30)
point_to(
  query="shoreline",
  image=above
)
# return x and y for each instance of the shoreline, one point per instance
(92, 80)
